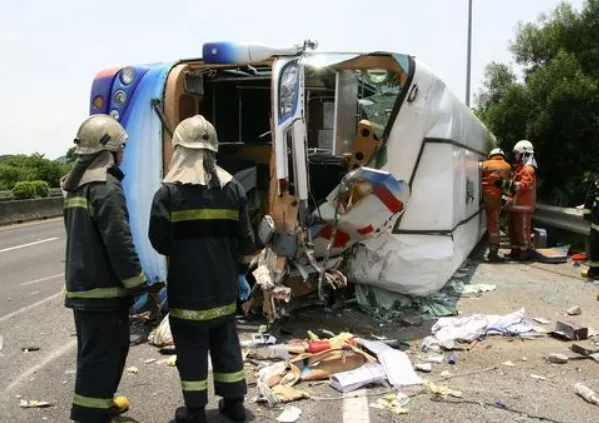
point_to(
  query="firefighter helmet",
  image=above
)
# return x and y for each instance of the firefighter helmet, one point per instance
(196, 133)
(524, 147)
(98, 133)
(496, 152)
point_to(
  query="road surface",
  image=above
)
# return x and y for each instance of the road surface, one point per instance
(31, 259)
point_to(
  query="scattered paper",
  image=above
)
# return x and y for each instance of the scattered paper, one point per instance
(508, 363)
(394, 403)
(446, 373)
(149, 361)
(437, 359)
(289, 415)
(424, 367)
(542, 320)
(397, 364)
(537, 377)
(172, 361)
(367, 374)
(133, 370)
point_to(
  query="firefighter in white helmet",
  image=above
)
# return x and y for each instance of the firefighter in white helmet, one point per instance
(102, 268)
(199, 220)
(522, 200)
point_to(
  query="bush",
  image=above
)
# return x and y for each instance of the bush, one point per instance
(23, 190)
(42, 188)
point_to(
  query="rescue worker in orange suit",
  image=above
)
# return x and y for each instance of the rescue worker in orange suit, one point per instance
(102, 272)
(496, 168)
(199, 220)
(591, 215)
(521, 202)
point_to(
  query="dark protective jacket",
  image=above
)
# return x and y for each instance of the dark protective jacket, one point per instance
(591, 203)
(102, 268)
(208, 238)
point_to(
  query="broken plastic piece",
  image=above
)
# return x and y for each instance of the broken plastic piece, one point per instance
(289, 415)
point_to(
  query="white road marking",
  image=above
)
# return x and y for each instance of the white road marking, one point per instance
(16, 247)
(29, 307)
(47, 278)
(47, 360)
(355, 407)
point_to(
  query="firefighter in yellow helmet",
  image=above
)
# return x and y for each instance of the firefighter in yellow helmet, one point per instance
(199, 220)
(102, 268)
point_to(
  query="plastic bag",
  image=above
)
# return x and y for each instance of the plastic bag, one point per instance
(161, 336)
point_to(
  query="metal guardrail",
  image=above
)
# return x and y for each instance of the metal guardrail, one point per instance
(567, 218)
(7, 195)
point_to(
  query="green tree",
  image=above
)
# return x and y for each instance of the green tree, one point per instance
(556, 104)
(20, 167)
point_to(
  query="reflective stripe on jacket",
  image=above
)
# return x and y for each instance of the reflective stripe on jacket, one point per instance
(102, 267)
(207, 236)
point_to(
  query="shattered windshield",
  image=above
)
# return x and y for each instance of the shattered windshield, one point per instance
(376, 89)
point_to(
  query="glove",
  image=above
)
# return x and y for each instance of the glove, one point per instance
(504, 200)
(498, 183)
(244, 287)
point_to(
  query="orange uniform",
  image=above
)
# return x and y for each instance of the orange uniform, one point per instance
(521, 206)
(493, 169)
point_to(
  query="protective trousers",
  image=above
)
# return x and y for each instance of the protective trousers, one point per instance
(594, 252)
(102, 348)
(192, 344)
(520, 232)
(493, 224)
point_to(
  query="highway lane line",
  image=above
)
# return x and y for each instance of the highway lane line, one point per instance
(47, 278)
(47, 360)
(29, 244)
(30, 306)
(355, 407)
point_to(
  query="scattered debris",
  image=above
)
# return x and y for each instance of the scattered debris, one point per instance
(508, 363)
(370, 373)
(437, 359)
(452, 359)
(34, 404)
(393, 402)
(470, 328)
(133, 370)
(556, 358)
(553, 255)
(443, 391)
(574, 311)
(541, 320)
(446, 374)
(570, 331)
(172, 361)
(149, 361)
(1, 342)
(588, 394)
(161, 336)
(289, 415)
(29, 349)
(424, 367)
(537, 377)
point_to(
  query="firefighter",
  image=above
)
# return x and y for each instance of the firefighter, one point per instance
(591, 214)
(102, 268)
(199, 220)
(521, 201)
(495, 170)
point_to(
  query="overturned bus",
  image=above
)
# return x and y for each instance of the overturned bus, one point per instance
(358, 166)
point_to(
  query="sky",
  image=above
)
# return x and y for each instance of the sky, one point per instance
(51, 50)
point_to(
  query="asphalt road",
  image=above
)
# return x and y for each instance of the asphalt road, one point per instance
(30, 253)
(31, 264)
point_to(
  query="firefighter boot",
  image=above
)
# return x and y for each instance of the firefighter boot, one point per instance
(493, 255)
(233, 409)
(190, 415)
(120, 405)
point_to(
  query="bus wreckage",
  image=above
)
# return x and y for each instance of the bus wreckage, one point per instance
(357, 166)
